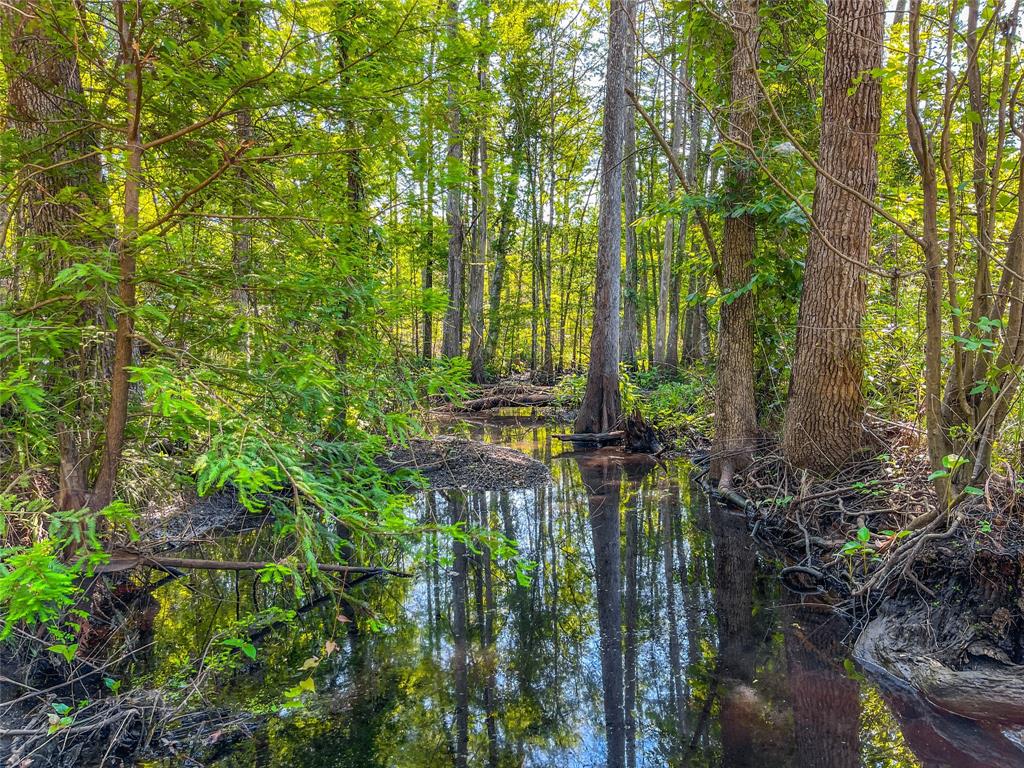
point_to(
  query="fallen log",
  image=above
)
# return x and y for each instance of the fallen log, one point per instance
(508, 400)
(124, 561)
(594, 438)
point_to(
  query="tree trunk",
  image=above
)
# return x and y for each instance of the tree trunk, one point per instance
(668, 252)
(695, 321)
(629, 337)
(920, 144)
(735, 412)
(47, 109)
(823, 425)
(427, 272)
(480, 235)
(601, 407)
(117, 414)
(241, 228)
(451, 338)
(506, 233)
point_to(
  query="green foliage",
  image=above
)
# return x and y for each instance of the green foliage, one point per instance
(679, 405)
(570, 389)
(35, 586)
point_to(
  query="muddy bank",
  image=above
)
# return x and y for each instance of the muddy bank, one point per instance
(453, 462)
(938, 595)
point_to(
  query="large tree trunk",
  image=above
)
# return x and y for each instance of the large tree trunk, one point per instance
(629, 337)
(47, 109)
(823, 425)
(735, 413)
(602, 406)
(451, 337)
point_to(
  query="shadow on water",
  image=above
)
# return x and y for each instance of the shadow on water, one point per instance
(651, 634)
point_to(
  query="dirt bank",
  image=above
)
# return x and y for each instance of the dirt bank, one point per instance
(454, 462)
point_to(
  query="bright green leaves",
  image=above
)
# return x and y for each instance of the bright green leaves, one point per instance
(21, 387)
(35, 586)
(246, 647)
(951, 462)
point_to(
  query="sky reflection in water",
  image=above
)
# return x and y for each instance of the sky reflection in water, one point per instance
(706, 660)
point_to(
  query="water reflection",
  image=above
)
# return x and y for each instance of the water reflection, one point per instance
(650, 635)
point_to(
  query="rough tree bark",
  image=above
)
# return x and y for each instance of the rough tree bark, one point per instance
(602, 405)
(823, 424)
(735, 412)
(451, 336)
(629, 337)
(47, 109)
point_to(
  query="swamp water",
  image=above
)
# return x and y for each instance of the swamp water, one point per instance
(639, 576)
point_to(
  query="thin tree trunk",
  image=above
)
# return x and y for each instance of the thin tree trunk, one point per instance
(117, 415)
(427, 272)
(451, 338)
(241, 228)
(668, 251)
(735, 412)
(824, 415)
(920, 143)
(481, 242)
(601, 407)
(506, 232)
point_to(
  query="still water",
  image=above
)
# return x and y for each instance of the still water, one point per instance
(649, 610)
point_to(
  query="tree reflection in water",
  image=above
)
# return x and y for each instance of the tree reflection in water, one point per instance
(649, 635)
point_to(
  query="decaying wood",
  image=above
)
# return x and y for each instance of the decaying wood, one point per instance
(989, 692)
